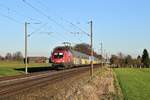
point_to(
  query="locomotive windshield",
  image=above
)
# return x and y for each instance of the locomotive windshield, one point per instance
(58, 55)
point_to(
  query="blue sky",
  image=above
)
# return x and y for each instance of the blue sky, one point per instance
(122, 25)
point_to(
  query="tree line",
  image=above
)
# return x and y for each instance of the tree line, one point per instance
(120, 60)
(17, 56)
(86, 48)
(83, 48)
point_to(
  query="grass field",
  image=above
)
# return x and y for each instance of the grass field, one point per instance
(9, 68)
(135, 83)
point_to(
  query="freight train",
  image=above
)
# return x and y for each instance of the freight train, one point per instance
(62, 57)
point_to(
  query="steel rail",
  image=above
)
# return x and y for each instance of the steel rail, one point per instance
(15, 86)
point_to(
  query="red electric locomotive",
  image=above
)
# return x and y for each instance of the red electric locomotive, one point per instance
(62, 57)
(65, 57)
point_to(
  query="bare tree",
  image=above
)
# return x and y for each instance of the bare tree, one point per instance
(114, 60)
(17, 56)
(121, 59)
(128, 61)
(8, 56)
(1, 57)
(85, 48)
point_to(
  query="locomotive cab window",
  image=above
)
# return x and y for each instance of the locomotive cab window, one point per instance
(58, 55)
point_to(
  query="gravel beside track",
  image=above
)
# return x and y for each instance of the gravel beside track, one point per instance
(14, 85)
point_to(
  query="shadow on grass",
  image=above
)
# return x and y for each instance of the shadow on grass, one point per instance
(35, 69)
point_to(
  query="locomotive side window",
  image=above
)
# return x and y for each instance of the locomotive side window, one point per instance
(58, 55)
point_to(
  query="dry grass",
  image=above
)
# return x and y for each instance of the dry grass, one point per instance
(79, 87)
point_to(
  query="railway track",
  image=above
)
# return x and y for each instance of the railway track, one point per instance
(10, 87)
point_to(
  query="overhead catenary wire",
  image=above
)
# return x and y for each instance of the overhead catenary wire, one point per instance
(38, 29)
(10, 18)
(10, 11)
(18, 13)
(61, 18)
(66, 21)
(53, 20)
(42, 13)
(50, 33)
(18, 22)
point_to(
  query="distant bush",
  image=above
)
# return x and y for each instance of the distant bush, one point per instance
(17, 56)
